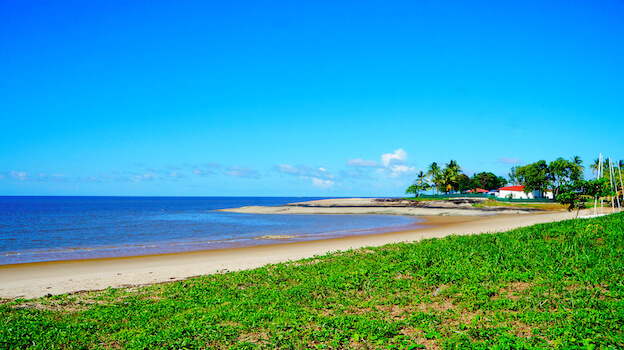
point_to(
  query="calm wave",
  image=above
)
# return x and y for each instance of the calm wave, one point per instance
(36, 229)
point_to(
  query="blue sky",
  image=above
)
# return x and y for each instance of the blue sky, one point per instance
(299, 98)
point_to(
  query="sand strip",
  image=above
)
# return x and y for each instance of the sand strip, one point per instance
(367, 206)
(39, 279)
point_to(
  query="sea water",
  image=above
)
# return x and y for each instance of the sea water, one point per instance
(35, 229)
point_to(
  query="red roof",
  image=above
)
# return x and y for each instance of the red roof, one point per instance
(512, 188)
(479, 190)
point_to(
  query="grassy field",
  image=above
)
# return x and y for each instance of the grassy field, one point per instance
(556, 285)
(542, 206)
(494, 203)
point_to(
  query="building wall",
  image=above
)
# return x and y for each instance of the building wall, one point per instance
(522, 195)
(515, 194)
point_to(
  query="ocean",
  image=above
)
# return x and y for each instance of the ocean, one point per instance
(36, 229)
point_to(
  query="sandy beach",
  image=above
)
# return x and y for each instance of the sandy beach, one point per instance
(40, 279)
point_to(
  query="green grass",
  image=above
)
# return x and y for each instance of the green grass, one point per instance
(556, 285)
(535, 205)
(491, 202)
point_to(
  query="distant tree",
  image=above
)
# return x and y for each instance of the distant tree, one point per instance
(597, 188)
(606, 166)
(415, 189)
(453, 167)
(606, 170)
(433, 172)
(465, 183)
(577, 160)
(572, 195)
(502, 181)
(513, 178)
(594, 167)
(534, 177)
(488, 181)
(448, 179)
(421, 178)
(419, 185)
(563, 173)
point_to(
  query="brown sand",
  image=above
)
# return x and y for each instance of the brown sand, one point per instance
(39, 279)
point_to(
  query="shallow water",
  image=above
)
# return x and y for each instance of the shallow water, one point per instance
(34, 229)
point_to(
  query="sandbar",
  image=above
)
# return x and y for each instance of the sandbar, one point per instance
(377, 206)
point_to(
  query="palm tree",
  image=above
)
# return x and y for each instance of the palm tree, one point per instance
(434, 173)
(448, 179)
(420, 184)
(595, 166)
(451, 173)
(420, 178)
(577, 160)
(421, 181)
(606, 167)
(454, 167)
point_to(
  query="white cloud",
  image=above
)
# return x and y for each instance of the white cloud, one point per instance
(52, 177)
(241, 172)
(362, 163)
(356, 173)
(143, 177)
(176, 175)
(204, 170)
(289, 169)
(322, 183)
(394, 164)
(90, 179)
(319, 177)
(506, 160)
(397, 157)
(304, 171)
(19, 175)
(396, 171)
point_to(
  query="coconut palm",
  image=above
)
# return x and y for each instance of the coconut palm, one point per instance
(420, 184)
(448, 180)
(453, 166)
(594, 167)
(606, 167)
(451, 175)
(421, 178)
(434, 173)
(577, 160)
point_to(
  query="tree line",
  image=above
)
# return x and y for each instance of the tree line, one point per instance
(558, 175)
(451, 179)
(563, 177)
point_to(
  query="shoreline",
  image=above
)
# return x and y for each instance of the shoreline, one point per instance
(265, 240)
(32, 280)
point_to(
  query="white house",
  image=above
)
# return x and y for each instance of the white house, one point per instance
(517, 192)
